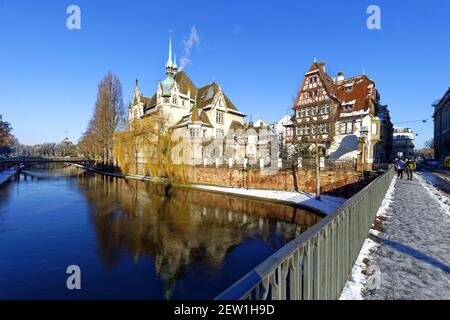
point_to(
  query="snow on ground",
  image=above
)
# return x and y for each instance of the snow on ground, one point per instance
(327, 204)
(355, 284)
(412, 252)
(441, 198)
(6, 174)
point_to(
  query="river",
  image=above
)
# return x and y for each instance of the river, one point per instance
(131, 239)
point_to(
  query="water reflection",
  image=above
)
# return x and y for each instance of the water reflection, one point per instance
(182, 228)
(198, 242)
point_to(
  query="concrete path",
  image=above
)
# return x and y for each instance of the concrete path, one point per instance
(413, 255)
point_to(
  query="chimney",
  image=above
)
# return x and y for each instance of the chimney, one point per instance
(340, 76)
(322, 65)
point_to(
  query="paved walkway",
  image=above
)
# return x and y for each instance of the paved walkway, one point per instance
(414, 252)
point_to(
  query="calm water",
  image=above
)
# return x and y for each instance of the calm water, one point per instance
(132, 240)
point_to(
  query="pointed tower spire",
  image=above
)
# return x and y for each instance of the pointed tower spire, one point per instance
(169, 61)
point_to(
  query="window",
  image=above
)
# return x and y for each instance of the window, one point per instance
(174, 100)
(136, 114)
(219, 117)
(299, 131)
(219, 133)
(314, 111)
(325, 127)
(303, 112)
(194, 132)
(308, 112)
(298, 114)
(374, 128)
(349, 127)
(347, 106)
(307, 130)
(348, 88)
(182, 103)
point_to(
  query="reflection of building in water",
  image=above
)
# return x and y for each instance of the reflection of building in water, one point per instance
(186, 227)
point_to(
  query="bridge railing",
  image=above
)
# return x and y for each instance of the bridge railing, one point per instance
(46, 159)
(316, 265)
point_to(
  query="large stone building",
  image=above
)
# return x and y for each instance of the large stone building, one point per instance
(404, 143)
(192, 112)
(442, 128)
(344, 115)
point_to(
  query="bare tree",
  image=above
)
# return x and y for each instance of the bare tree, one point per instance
(98, 140)
(429, 144)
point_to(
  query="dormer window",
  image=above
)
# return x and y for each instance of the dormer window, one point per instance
(348, 87)
(347, 106)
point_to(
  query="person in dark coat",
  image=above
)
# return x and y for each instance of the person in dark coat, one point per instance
(400, 166)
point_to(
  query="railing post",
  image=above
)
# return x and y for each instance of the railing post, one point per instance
(307, 271)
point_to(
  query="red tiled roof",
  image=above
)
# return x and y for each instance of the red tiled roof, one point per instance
(361, 93)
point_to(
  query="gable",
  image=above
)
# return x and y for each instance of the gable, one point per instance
(316, 87)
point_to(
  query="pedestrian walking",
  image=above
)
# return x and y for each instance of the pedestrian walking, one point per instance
(400, 166)
(410, 167)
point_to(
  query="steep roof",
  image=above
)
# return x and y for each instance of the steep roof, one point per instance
(206, 94)
(360, 94)
(194, 116)
(185, 83)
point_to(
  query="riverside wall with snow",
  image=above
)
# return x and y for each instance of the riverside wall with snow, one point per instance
(6, 175)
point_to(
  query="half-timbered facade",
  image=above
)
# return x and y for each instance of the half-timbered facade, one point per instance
(343, 115)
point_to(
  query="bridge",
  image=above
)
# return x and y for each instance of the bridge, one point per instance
(30, 161)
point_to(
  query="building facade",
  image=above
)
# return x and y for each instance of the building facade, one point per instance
(193, 113)
(344, 116)
(441, 118)
(404, 143)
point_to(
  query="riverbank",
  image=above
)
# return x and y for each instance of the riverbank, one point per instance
(304, 200)
(6, 175)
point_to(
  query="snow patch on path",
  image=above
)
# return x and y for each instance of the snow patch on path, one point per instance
(443, 200)
(357, 281)
(327, 204)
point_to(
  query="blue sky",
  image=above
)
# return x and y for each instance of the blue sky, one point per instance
(258, 51)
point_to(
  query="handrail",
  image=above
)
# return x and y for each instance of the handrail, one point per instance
(317, 263)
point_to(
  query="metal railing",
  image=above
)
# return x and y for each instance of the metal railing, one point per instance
(316, 265)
